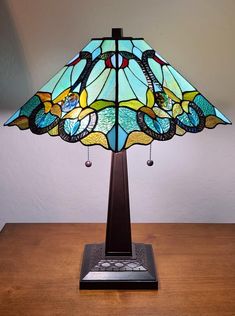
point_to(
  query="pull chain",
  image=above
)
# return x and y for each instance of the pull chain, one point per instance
(150, 161)
(88, 163)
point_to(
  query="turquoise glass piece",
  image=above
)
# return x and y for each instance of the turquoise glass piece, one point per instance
(77, 70)
(117, 93)
(43, 120)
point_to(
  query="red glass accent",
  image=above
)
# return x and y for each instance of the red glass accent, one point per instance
(158, 60)
(124, 63)
(109, 63)
(75, 61)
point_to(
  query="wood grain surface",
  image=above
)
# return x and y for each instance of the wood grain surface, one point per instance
(40, 267)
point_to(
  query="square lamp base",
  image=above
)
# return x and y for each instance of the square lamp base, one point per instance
(118, 272)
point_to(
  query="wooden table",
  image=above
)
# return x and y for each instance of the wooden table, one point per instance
(40, 266)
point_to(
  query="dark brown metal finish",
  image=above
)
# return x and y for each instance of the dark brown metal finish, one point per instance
(118, 230)
(99, 272)
(117, 33)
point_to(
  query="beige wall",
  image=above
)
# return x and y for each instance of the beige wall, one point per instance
(43, 179)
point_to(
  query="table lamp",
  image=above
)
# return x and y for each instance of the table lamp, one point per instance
(117, 92)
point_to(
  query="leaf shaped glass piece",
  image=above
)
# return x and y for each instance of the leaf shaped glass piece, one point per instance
(117, 93)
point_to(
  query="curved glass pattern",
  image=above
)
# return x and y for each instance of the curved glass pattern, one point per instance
(117, 93)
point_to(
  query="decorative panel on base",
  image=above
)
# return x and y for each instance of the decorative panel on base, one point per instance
(118, 272)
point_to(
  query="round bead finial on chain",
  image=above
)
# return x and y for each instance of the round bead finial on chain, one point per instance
(88, 163)
(150, 161)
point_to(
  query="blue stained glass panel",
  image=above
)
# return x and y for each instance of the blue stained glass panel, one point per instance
(112, 138)
(96, 53)
(193, 116)
(29, 106)
(92, 45)
(108, 91)
(43, 120)
(124, 91)
(206, 107)
(13, 117)
(137, 71)
(108, 46)
(122, 136)
(142, 45)
(63, 84)
(96, 86)
(77, 70)
(71, 126)
(185, 119)
(127, 120)
(170, 82)
(137, 86)
(106, 120)
(183, 83)
(156, 69)
(125, 45)
(96, 71)
(49, 86)
(137, 52)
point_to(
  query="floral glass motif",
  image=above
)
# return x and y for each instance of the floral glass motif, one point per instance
(117, 93)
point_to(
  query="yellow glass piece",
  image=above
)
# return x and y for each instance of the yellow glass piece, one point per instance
(177, 110)
(54, 131)
(171, 95)
(56, 110)
(185, 105)
(101, 104)
(138, 138)
(44, 96)
(95, 138)
(61, 96)
(212, 121)
(180, 131)
(73, 114)
(83, 98)
(133, 104)
(47, 106)
(85, 113)
(189, 96)
(160, 113)
(148, 111)
(22, 122)
(150, 98)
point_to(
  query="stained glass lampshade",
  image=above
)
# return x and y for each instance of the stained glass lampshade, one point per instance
(117, 92)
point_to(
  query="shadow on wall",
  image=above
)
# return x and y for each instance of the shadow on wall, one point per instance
(14, 74)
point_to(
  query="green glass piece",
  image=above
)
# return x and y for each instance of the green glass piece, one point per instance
(29, 106)
(127, 120)
(108, 46)
(106, 120)
(206, 107)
